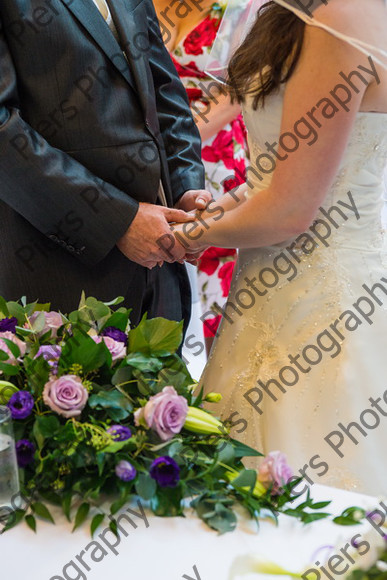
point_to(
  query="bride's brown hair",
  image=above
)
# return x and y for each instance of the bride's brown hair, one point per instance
(273, 45)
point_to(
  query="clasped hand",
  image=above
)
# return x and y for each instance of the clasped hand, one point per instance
(149, 240)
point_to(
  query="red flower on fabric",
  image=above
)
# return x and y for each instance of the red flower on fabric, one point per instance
(222, 148)
(225, 275)
(239, 176)
(209, 261)
(194, 94)
(239, 130)
(203, 35)
(210, 326)
(188, 70)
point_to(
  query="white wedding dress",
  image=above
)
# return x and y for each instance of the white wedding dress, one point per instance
(260, 332)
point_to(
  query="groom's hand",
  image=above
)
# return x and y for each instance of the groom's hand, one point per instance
(194, 199)
(141, 242)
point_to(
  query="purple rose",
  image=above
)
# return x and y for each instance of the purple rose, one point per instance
(165, 471)
(53, 321)
(19, 343)
(120, 432)
(165, 413)
(24, 452)
(66, 396)
(51, 353)
(116, 349)
(125, 471)
(116, 334)
(21, 404)
(274, 471)
(8, 324)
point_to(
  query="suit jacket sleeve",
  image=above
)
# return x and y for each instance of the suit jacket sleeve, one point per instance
(178, 130)
(52, 190)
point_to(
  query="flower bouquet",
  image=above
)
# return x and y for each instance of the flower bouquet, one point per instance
(102, 410)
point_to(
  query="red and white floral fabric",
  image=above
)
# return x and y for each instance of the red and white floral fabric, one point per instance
(224, 154)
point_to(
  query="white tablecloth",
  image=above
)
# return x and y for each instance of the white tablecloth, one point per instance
(172, 548)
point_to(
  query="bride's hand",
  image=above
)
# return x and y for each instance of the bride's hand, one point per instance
(191, 238)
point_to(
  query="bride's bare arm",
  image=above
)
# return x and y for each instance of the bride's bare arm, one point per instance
(303, 178)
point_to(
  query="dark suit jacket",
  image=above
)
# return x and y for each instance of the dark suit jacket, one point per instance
(86, 132)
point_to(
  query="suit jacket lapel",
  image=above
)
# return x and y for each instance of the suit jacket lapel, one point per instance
(89, 16)
(129, 31)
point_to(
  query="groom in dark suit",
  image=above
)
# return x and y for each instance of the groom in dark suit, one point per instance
(97, 148)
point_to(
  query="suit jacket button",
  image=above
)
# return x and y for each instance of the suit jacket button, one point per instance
(71, 249)
(53, 237)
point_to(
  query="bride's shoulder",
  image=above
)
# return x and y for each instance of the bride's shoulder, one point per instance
(353, 16)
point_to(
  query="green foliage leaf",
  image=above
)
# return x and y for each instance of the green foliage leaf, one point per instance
(66, 504)
(166, 502)
(226, 452)
(81, 349)
(14, 518)
(112, 400)
(158, 337)
(39, 437)
(48, 425)
(3, 308)
(242, 450)
(246, 478)
(96, 522)
(15, 350)
(15, 309)
(41, 510)
(145, 486)
(144, 363)
(81, 515)
(31, 522)
(9, 370)
(119, 320)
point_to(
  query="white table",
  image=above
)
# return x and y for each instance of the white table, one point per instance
(170, 548)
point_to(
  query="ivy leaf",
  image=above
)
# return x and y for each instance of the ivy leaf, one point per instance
(40, 510)
(118, 405)
(48, 425)
(96, 522)
(81, 515)
(81, 349)
(157, 337)
(31, 522)
(144, 362)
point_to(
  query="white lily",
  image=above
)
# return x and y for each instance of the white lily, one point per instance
(249, 564)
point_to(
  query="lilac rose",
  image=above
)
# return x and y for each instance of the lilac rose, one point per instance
(274, 471)
(53, 321)
(66, 396)
(19, 343)
(165, 413)
(116, 348)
